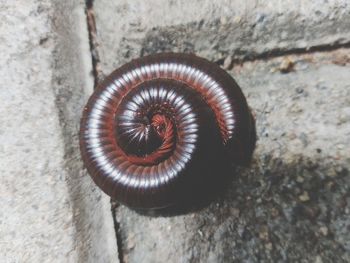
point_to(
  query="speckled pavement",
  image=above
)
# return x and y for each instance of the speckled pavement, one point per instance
(292, 61)
(50, 211)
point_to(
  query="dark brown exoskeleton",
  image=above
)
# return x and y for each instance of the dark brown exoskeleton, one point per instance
(165, 127)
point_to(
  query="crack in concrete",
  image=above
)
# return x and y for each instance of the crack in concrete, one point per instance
(98, 76)
(274, 53)
(91, 23)
(117, 228)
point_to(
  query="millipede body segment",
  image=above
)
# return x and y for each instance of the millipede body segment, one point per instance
(162, 126)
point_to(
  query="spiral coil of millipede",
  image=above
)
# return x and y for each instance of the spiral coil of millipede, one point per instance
(162, 126)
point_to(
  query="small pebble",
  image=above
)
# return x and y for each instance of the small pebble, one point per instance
(324, 230)
(227, 63)
(300, 179)
(223, 20)
(286, 66)
(237, 19)
(318, 259)
(235, 212)
(304, 197)
(268, 246)
(264, 234)
(274, 212)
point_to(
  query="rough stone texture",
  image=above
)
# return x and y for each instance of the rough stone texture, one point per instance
(216, 29)
(293, 203)
(50, 210)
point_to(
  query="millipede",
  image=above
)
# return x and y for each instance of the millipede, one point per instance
(163, 126)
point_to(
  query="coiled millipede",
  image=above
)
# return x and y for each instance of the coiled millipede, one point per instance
(162, 126)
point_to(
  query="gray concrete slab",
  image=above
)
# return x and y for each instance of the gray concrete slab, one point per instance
(50, 209)
(292, 204)
(216, 29)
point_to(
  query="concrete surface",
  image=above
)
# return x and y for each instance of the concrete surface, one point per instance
(50, 210)
(216, 29)
(292, 204)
